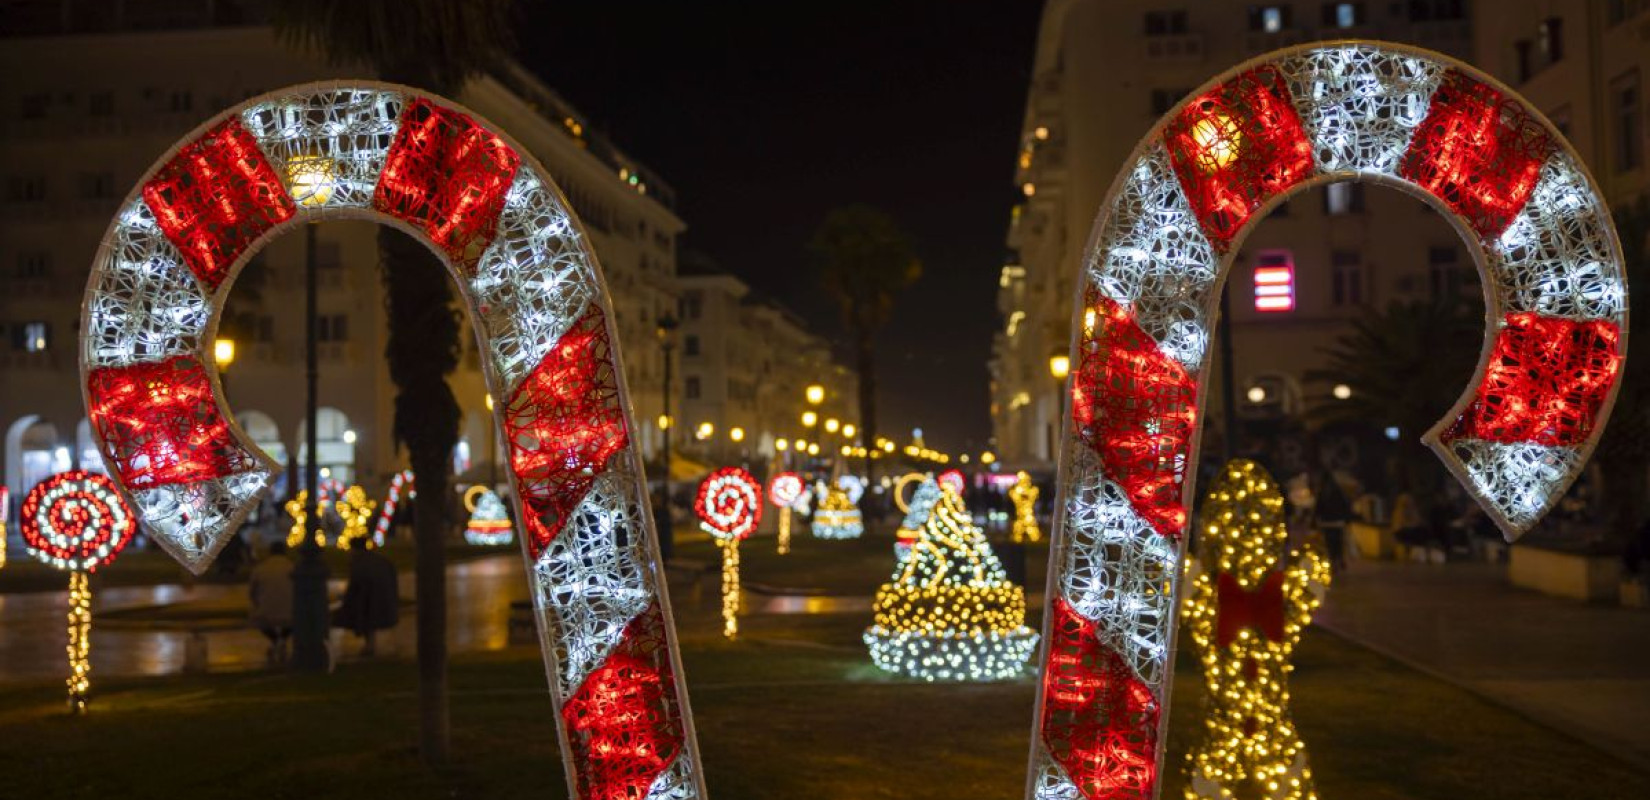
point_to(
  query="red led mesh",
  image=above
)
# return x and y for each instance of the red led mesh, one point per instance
(1477, 152)
(447, 175)
(729, 503)
(624, 723)
(1235, 147)
(1545, 383)
(1099, 720)
(564, 423)
(160, 424)
(1259, 609)
(76, 518)
(215, 197)
(1136, 408)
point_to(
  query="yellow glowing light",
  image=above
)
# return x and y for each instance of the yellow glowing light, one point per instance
(80, 640)
(784, 530)
(1249, 737)
(1024, 496)
(488, 399)
(815, 394)
(1342, 391)
(664, 422)
(730, 585)
(223, 352)
(847, 451)
(809, 419)
(887, 446)
(813, 448)
(706, 430)
(781, 445)
(832, 425)
(356, 511)
(1218, 141)
(313, 179)
(1059, 365)
(736, 434)
(988, 457)
(1029, 188)
(848, 430)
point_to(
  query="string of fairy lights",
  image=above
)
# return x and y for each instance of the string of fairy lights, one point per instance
(729, 505)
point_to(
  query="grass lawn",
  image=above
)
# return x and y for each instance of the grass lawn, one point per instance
(792, 711)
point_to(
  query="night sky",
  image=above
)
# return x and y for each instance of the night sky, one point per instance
(765, 117)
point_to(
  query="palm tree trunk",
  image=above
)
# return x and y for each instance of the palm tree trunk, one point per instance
(865, 362)
(422, 351)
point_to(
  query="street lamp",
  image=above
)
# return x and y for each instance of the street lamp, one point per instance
(666, 332)
(848, 430)
(1059, 366)
(736, 434)
(832, 424)
(809, 419)
(815, 394)
(223, 353)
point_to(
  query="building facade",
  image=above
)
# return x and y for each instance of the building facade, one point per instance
(746, 363)
(1108, 70)
(95, 93)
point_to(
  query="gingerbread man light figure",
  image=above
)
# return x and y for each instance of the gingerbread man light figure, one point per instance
(1245, 611)
(1024, 496)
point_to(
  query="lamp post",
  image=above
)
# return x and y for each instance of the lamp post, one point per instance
(1059, 367)
(667, 532)
(309, 575)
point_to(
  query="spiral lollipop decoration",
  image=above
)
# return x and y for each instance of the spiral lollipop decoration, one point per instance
(729, 506)
(77, 522)
(784, 490)
(5, 503)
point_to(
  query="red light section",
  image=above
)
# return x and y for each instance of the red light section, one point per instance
(160, 424)
(1235, 148)
(624, 721)
(1099, 719)
(1275, 282)
(563, 424)
(448, 176)
(1478, 152)
(215, 197)
(1546, 381)
(1136, 408)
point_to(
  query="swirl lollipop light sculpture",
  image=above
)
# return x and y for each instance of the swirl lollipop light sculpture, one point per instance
(784, 491)
(729, 506)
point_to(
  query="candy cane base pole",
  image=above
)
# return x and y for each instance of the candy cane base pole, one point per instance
(80, 640)
(730, 587)
(784, 531)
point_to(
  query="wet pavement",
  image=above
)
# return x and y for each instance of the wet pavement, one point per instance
(1582, 669)
(126, 641)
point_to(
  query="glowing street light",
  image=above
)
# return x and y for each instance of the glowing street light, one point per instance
(706, 430)
(1059, 366)
(1341, 391)
(736, 434)
(223, 352)
(809, 419)
(781, 445)
(848, 430)
(832, 424)
(815, 394)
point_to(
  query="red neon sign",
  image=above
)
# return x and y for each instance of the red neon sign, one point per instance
(1275, 281)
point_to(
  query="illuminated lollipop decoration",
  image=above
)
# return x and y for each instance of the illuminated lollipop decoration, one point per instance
(1024, 496)
(953, 479)
(77, 522)
(784, 490)
(489, 525)
(5, 503)
(729, 507)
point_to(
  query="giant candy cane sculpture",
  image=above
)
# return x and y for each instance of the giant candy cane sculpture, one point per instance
(399, 157)
(1414, 120)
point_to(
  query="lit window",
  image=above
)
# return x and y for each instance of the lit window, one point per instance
(690, 388)
(32, 337)
(1629, 121)
(1347, 276)
(1344, 15)
(1346, 197)
(1269, 19)
(1275, 281)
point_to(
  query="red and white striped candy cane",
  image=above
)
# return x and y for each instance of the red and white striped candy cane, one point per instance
(400, 157)
(1147, 300)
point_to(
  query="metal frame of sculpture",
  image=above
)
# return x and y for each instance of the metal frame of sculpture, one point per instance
(400, 157)
(1147, 302)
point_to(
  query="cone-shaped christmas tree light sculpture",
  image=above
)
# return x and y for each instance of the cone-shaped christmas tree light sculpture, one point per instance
(489, 524)
(1245, 612)
(784, 491)
(837, 516)
(1024, 496)
(729, 506)
(950, 612)
(916, 511)
(77, 522)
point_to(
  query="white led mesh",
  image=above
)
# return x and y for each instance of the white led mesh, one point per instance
(145, 304)
(328, 145)
(1360, 105)
(1556, 257)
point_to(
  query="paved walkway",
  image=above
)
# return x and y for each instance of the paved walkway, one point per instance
(1582, 669)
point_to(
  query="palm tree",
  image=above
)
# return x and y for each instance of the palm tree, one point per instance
(1404, 364)
(1623, 455)
(865, 260)
(434, 45)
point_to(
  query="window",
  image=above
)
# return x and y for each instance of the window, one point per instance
(26, 188)
(1443, 279)
(1620, 10)
(690, 345)
(690, 388)
(263, 329)
(32, 337)
(1270, 19)
(692, 305)
(1521, 54)
(1343, 15)
(100, 104)
(1439, 10)
(97, 185)
(180, 101)
(1347, 270)
(34, 266)
(1164, 99)
(1552, 39)
(1275, 281)
(1346, 197)
(333, 328)
(1166, 23)
(1627, 121)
